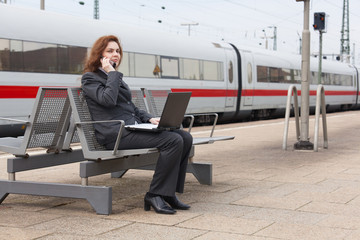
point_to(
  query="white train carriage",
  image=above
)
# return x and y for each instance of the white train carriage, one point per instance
(269, 75)
(39, 48)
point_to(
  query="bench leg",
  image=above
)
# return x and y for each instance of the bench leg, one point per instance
(118, 174)
(100, 198)
(3, 195)
(201, 171)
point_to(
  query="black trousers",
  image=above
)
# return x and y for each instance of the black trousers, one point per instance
(174, 147)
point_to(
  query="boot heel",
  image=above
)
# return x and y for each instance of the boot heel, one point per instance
(146, 206)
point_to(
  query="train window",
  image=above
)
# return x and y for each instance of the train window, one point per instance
(346, 80)
(286, 75)
(40, 57)
(262, 74)
(274, 74)
(315, 79)
(322, 78)
(231, 72)
(16, 55)
(297, 75)
(145, 65)
(336, 79)
(125, 64)
(249, 73)
(326, 79)
(132, 64)
(63, 59)
(211, 71)
(4, 55)
(76, 59)
(312, 77)
(169, 67)
(191, 69)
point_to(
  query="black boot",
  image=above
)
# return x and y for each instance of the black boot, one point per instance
(175, 203)
(158, 204)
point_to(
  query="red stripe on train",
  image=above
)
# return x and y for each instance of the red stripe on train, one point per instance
(253, 93)
(275, 93)
(31, 91)
(207, 92)
(18, 91)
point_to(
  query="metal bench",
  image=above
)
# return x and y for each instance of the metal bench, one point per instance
(118, 162)
(46, 129)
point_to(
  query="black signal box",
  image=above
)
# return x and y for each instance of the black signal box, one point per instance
(319, 21)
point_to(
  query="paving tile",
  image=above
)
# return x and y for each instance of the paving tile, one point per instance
(272, 202)
(355, 201)
(62, 236)
(333, 197)
(217, 223)
(83, 226)
(331, 208)
(31, 203)
(355, 235)
(11, 218)
(341, 221)
(151, 232)
(296, 232)
(19, 233)
(232, 236)
(285, 216)
(291, 177)
(151, 217)
(229, 210)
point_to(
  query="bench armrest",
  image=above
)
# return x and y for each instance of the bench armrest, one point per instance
(204, 114)
(192, 118)
(122, 125)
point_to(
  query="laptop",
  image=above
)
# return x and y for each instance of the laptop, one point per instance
(171, 117)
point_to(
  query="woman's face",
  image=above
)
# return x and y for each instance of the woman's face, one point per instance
(112, 52)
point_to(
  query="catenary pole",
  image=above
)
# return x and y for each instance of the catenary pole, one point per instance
(304, 143)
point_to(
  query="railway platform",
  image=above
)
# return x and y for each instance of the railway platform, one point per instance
(259, 191)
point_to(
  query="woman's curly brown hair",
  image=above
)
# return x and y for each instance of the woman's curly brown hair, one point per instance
(92, 62)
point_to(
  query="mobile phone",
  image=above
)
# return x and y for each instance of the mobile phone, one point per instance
(111, 62)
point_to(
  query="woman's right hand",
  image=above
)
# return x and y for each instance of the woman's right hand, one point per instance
(154, 121)
(107, 64)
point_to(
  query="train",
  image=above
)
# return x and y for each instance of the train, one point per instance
(40, 48)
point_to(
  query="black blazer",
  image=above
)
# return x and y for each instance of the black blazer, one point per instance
(109, 98)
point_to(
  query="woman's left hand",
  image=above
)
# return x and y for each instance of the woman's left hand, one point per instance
(154, 121)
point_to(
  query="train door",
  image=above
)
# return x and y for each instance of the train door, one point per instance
(230, 78)
(248, 83)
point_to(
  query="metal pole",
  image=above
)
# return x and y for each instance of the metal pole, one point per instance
(320, 57)
(42, 4)
(96, 9)
(304, 143)
(275, 38)
(189, 26)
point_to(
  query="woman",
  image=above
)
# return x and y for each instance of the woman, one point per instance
(109, 98)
